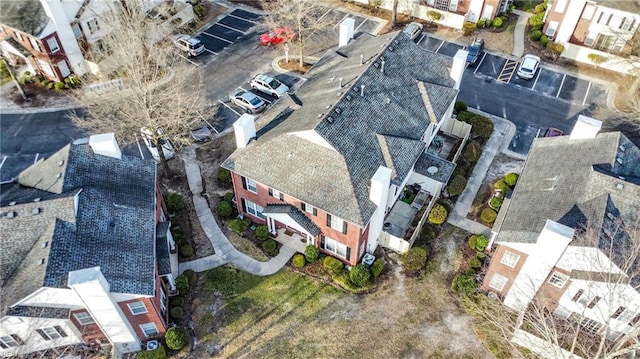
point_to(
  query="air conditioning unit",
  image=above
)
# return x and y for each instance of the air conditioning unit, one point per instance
(368, 259)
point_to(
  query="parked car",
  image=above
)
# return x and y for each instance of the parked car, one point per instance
(528, 67)
(247, 100)
(553, 132)
(167, 146)
(413, 30)
(277, 36)
(188, 44)
(475, 51)
(269, 85)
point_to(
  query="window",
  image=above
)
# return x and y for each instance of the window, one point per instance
(276, 194)
(163, 301)
(84, 318)
(253, 209)
(588, 12)
(64, 69)
(10, 341)
(335, 247)
(510, 259)
(446, 5)
(77, 32)
(337, 223)
(618, 311)
(578, 295)
(593, 302)
(600, 17)
(591, 38)
(604, 42)
(558, 279)
(635, 320)
(53, 45)
(590, 325)
(46, 67)
(310, 209)
(51, 333)
(498, 282)
(137, 308)
(34, 43)
(93, 25)
(609, 19)
(249, 185)
(551, 29)
(560, 5)
(149, 329)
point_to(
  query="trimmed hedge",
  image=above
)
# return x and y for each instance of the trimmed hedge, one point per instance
(472, 152)
(495, 203)
(191, 275)
(333, 265)
(481, 126)
(377, 267)
(488, 215)
(224, 209)
(262, 232)
(414, 259)
(459, 107)
(298, 260)
(481, 243)
(176, 338)
(182, 283)
(457, 185)
(468, 28)
(544, 40)
(177, 312)
(311, 253)
(224, 176)
(481, 256)
(511, 179)
(535, 35)
(438, 214)
(227, 197)
(501, 185)
(175, 202)
(359, 275)
(498, 22)
(473, 240)
(186, 250)
(157, 353)
(475, 263)
(271, 247)
(434, 15)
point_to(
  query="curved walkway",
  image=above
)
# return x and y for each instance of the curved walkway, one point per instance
(225, 252)
(518, 33)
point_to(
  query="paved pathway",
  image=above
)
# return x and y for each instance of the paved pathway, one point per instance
(225, 252)
(503, 131)
(518, 33)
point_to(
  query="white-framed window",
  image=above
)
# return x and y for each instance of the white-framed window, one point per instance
(34, 44)
(53, 44)
(551, 29)
(498, 282)
(149, 329)
(249, 185)
(46, 67)
(560, 6)
(310, 209)
(64, 68)
(588, 12)
(510, 259)
(335, 247)
(337, 223)
(253, 209)
(137, 308)
(562, 312)
(163, 301)
(10, 341)
(77, 31)
(93, 25)
(591, 38)
(590, 325)
(276, 194)
(558, 279)
(84, 318)
(51, 333)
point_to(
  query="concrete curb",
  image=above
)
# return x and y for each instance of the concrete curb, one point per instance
(307, 59)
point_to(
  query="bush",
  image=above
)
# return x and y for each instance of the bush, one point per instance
(332, 264)
(175, 301)
(544, 40)
(473, 240)
(481, 256)
(511, 179)
(597, 59)
(59, 86)
(157, 353)
(191, 275)
(176, 338)
(271, 247)
(468, 28)
(481, 243)
(535, 35)
(177, 313)
(186, 250)
(459, 107)
(182, 284)
(438, 214)
(495, 203)
(501, 184)
(540, 8)
(498, 22)
(359, 275)
(464, 284)
(298, 260)
(472, 152)
(488, 215)
(536, 20)
(224, 209)
(475, 263)
(75, 81)
(414, 259)
(228, 197)
(377, 267)
(488, 23)
(199, 10)
(536, 27)
(434, 15)
(175, 202)
(480, 23)
(555, 48)
(224, 176)
(481, 126)
(262, 232)
(457, 185)
(237, 225)
(311, 253)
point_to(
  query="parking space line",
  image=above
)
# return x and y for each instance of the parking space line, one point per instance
(536, 80)
(186, 58)
(323, 15)
(336, 25)
(587, 94)
(479, 63)
(421, 38)
(564, 76)
(213, 52)
(36, 159)
(4, 158)
(231, 28)
(229, 107)
(241, 18)
(362, 23)
(218, 37)
(438, 49)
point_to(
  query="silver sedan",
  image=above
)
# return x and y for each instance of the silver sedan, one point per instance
(247, 100)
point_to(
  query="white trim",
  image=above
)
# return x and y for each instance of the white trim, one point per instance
(558, 279)
(510, 259)
(254, 209)
(84, 318)
(337, 223)
(146, 326)
(498, 281)
(335, 247)
(134, 306)
(8, 341)
(53, 44)
(251, 185)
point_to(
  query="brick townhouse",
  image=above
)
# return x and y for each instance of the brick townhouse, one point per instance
(85, 252)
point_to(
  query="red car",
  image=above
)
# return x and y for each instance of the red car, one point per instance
(277, 36)
(553, 132)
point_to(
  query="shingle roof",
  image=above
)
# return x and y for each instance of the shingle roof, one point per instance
(443, 168)
(162, 248)
(632, 6)
(352, 134)
(38, 312)
(296, 215)
(574, 182)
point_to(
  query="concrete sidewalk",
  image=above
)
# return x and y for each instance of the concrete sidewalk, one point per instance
(225, 252)
(503, 132)
(518, 33)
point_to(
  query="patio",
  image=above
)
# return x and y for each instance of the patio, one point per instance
(291, 239)
(444, 145)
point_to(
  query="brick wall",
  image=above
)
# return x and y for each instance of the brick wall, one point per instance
(496, 267)
(153, 314)
(549, 295)
(90, 332)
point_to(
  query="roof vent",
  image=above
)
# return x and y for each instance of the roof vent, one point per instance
(620, 186)
(12, 203)
(330, 119)
(355, 89)
(619, 160)
(59, 175)
(42, 261)
(362, 90)
(37, 199)
(610, 216)
(381, 58)
(388, 100)
(36, 210)
(396, 42)
(12, 214)
(60, 163)
(45, 244)
(348, 97)
(391, 48)
(337, 110)
(622, 148)
(376, 64)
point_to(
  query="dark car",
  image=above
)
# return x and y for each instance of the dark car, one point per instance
(475, 51)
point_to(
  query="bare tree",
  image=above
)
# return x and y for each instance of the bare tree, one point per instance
(160, 91)
(305, 17)
(608, 322)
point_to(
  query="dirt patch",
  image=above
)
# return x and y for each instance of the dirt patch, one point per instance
(501, 165)
(496, 40)
(294, 66)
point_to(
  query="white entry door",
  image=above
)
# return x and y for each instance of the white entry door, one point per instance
(64, 68)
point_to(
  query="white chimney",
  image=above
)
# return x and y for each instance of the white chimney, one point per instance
(458, 66)
(378, 194)
(105, 145)
(245, 129)
(346, 31)
(585, 127)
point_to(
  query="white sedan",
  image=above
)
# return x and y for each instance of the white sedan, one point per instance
(269, 85)
(528, 67)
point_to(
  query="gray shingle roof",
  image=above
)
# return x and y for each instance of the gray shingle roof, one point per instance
(574, 182)
(162, 248)
(38, 312)
(360, 133)
(296, 215)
